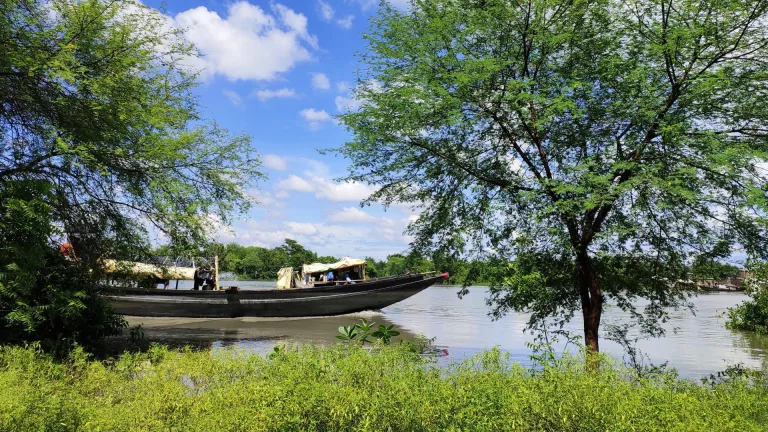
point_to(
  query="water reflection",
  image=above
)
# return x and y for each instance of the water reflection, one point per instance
(696, 345)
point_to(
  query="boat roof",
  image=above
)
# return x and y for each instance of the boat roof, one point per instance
(345, 262)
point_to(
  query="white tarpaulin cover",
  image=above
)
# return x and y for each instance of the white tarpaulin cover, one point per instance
(284, 277)
(148, 270)
(345, 262)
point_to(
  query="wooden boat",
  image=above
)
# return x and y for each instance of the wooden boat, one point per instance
(319, 301)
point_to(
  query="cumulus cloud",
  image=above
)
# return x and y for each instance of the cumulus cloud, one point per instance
(320, 81)
(346, 103)
(315, 118)
(368, 4)
(275, 162)
(233, 97)
(327, 190)
(352, 214)
(347, 191)
(282, 194)
(295, 183)
(305, 228)
(326, 11)
(265, 198)
(265, 95)
(248, 43)
(345, 22)
(343, 86)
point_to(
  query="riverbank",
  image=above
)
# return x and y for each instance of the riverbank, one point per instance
(341, 388)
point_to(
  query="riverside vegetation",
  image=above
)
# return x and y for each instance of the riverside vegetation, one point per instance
(346, 387)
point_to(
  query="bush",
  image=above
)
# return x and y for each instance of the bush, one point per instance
(44, 297)
(752, 314)
(350, 388)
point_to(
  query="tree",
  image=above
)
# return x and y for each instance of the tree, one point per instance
(296, 254)
(100, 136)
(596, 144)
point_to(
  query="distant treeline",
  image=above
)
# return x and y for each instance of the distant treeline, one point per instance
(253, 262)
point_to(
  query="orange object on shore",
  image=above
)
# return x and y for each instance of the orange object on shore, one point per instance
(67, 250)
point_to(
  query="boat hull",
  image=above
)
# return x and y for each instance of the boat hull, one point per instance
(218, 304)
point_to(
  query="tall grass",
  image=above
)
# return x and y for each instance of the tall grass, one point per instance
(350, 388)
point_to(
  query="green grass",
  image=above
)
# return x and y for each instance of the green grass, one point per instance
(340, 388)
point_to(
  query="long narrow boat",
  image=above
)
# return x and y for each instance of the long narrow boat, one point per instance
(319, 301)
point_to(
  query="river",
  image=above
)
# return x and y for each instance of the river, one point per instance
(696, 345)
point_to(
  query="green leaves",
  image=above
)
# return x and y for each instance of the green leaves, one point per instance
(752, 315)
(629, 133)
(101, 141)
(363, 331)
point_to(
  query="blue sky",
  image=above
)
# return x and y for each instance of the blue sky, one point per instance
(281, 72)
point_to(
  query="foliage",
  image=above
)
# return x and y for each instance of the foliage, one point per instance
(44, 297)
(348, 388)
(752, 314)
(601, 145)
(363, 331)
(100, 138)
(709, 266)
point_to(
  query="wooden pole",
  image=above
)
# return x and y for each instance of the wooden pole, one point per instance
(216, 272)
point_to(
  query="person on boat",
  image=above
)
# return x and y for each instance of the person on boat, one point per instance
(348, 278)
(330, 276)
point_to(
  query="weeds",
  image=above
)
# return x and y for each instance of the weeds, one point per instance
(347, 387)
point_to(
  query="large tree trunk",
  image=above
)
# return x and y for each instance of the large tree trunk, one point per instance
(591, 302)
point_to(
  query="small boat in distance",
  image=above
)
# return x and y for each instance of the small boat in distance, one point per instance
(328, 300)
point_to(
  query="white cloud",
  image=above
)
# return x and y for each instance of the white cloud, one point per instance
(315, 118)
(366, 4)
(265, 95)
(233, 97)
(352, 214)
(282, 194)
(295, 183)
(345, 22)
(342, 86)
(304, 228)
(265, 198)
(327, 190)
(326, 11)
(249, 43)
(346, 103)
(275, 162)
(348, 191)
(320, 81)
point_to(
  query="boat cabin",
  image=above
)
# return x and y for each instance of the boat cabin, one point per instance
(345, 271)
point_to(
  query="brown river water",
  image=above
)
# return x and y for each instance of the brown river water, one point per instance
(696, 345)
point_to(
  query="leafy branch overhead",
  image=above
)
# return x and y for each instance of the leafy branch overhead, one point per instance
(97, 101)
(101, 141)
(601, 144)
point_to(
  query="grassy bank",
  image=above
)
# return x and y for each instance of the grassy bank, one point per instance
(339, 388)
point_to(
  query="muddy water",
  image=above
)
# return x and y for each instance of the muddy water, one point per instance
(696, 344)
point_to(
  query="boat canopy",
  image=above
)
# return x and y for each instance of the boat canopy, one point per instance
(148, 270)
(343, 263)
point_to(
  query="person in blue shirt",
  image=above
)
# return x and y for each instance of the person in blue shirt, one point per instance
(330, 276)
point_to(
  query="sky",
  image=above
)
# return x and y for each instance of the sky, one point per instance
(281, 72)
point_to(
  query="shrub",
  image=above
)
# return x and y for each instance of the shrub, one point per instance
(752, 314)
(350, 388)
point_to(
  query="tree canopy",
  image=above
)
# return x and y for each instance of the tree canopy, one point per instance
(599, 145)
(100, 137)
